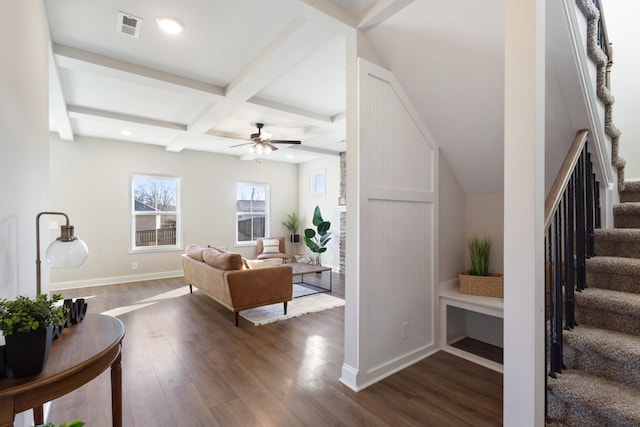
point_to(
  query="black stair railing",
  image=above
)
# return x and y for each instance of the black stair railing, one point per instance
(572, 211)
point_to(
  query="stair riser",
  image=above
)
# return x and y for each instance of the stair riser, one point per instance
(573, 414)
(627, 323)
(626, 221)
(616, 248)
(613, 282)
(630, 196)
(597, 364)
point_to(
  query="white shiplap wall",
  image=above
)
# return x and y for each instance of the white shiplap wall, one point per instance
(397, 231)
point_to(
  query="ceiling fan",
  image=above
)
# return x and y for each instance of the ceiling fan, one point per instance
(262, 142)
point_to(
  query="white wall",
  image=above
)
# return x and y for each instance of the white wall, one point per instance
(484, 217)
(624, 32)
(452, 216)
(90, 180)
(328, 203)
(24, 184)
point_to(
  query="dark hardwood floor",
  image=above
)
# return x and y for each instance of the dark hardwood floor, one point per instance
(185, 364)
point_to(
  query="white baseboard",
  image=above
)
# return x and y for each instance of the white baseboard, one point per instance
(354, 379)
(115, 280)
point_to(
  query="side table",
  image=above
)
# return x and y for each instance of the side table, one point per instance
(83, 352)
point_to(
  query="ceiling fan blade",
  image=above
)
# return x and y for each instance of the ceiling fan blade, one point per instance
(270, 145)
(240, 145)
(282, 141)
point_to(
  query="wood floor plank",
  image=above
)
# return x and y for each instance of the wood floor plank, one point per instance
(185, 363)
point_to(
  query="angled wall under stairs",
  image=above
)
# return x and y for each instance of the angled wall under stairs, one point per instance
(601, 385)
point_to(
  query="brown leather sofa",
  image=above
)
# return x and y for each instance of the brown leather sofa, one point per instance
(223, 277)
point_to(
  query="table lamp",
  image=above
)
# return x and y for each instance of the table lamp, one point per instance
(66, 251)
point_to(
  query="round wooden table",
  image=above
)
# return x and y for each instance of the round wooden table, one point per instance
(82, 353)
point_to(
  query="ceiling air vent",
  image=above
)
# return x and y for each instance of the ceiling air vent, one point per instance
(128, 24)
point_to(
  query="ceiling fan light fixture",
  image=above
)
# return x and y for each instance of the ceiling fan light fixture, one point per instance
(169, 25)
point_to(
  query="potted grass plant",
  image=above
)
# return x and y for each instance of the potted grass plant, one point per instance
(479, 280)
(27, 325)
(292, 224)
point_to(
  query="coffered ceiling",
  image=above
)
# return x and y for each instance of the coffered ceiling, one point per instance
(236, 63)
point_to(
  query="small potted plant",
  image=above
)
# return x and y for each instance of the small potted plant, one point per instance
(292, 224)
(317, 240)
(27, 325)
(479, 280)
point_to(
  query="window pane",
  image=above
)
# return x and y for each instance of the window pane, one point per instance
(250, 227)
(251, 198)
(154, 194)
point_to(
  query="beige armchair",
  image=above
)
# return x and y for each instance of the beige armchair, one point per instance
(268, 251)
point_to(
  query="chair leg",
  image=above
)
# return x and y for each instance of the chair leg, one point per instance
(285, 307)
(237, 317)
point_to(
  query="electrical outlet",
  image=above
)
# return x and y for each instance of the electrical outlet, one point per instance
(405, 330)
(134, 265)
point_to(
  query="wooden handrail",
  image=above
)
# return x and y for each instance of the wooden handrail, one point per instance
(562, 179)
(606, 45)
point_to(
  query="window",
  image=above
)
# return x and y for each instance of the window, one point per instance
(252, 205)
(318, 183)
(155, 210)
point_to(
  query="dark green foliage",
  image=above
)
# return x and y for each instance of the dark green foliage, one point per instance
(317, 240)
(25, 314)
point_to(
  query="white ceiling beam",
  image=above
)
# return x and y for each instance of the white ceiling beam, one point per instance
(76, 59)
(317, 118)
(330, 9)
(380, 11)
(90, 113)
(297, 39)
(57, 102)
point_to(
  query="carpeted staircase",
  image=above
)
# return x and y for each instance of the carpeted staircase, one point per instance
(601, 385)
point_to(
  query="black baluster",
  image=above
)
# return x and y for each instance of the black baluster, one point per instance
(569, 263)
(589, 204)
(580, 225)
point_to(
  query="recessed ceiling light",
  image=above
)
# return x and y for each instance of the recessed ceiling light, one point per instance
(289, 156)
(170, 25)
(126, 132)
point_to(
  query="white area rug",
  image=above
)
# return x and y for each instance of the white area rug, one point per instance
(297, 307)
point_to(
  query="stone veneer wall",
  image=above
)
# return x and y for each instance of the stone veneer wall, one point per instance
(343, 214)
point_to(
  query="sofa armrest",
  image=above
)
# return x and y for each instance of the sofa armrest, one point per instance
(254, 288)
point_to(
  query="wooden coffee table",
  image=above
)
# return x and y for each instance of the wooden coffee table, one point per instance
(300, 269)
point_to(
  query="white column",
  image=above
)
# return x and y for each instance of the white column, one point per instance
(523, 213)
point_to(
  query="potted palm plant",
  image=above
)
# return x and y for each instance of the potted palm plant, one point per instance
(27, 325)
(479, 280)
(292, 224)
(317, 240)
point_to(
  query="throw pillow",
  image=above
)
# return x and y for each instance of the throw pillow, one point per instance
(195, 251)
(227, 261)
(270, 246)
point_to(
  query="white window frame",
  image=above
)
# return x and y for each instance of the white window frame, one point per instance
(134, 214)
(265, 213)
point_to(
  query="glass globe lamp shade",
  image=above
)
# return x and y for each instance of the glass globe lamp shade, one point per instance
(66, 254)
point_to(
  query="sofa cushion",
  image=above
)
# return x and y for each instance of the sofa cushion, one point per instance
(270, 246)
(195, 251)
(226, 261)
(263, 263)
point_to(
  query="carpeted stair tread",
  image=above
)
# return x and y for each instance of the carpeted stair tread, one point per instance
(611, 355)
(620, 242)
(602, 308)
(614, 273)
(580, 399)
(631, 192)
(626, 215)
